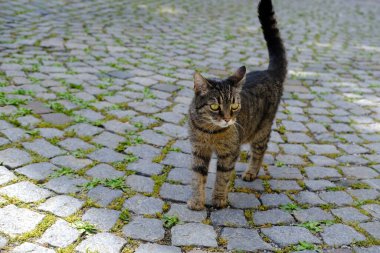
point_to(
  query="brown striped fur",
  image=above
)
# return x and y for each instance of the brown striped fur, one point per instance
(224, 130)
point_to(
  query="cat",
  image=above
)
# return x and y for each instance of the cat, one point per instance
(226, 113)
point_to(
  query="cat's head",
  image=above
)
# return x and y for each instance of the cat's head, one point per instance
(217, 101)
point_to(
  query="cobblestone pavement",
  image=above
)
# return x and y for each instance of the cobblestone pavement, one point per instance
(93, 103)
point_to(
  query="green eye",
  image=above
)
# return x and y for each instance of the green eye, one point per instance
(214, 107)
(234, 106)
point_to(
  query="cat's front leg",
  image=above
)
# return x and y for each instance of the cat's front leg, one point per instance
(225, 167)
(201, 160)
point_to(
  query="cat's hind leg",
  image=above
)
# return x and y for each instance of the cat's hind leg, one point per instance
(200, 163)
(257, 155)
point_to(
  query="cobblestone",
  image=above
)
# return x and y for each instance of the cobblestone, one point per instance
(348, 214)
(340, 234)
(26, 192)
(140, 204)
(6, 175)
(103, 219)
(193, 234)
(15, 221)
(312, 214)
(273, 216)
(37, 171)
(103, 195)
(229, 217)
(102, 242)
(62, 205)
(373, 228)
(244, 239)
(32, 248)
(14, 157)
(157, 248)
(60, 234)
(286, 235)
(144, 229)
(85, 98)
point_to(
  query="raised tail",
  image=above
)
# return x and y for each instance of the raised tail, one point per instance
(277, 55)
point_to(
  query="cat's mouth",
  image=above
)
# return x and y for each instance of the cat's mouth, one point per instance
(223, 123)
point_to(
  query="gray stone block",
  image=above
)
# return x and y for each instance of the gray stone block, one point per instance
(274, 199)
(286, 235)
(60, 234)
(157, 248)
(14, 157)
(359, 172)
(56, 118)
(37, 171)
(229, 218)
(244, 239)
(103, 171)
(71, 162)
(284, 173)
(6, 175)
(65, 184)
(243, 200)
(338, 197)
(103, 195)
(84, 129)
(339, 234)
(26, 192)
(317, 185)
(373, 209)
(194, 234)
(15, 221)
(321, 172)
(175, 192)
(144, 229)
(312, 214)
(140, 204)
(104, 219)
(273, 216)
(144, 151)
(185, 214)
(108, 139)
(102, 242)
(372, 228)
(61, 205)
(284, 185)
(31, 248)
(72, 144)
(364, 194)
(140, 183)
(311, 198)
(349, 214)
(43, 148)
(106, 155)
(373, 249)
(3, 242)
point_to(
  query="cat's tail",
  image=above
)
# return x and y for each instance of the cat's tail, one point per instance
(277, 55)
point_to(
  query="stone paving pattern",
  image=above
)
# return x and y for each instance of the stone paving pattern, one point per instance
(93, 135)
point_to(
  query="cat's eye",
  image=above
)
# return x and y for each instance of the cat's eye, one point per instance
(214, 107)
(234, 106)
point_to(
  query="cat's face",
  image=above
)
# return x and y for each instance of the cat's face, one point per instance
(218, 101)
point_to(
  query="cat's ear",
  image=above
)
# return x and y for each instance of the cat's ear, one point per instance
(238, 76)
(201, 85)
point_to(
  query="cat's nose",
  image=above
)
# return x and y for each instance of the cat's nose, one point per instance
(227, 120)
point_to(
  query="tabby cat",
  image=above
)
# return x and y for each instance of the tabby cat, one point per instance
(224, 114)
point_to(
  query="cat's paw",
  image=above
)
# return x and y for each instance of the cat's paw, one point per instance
(249, 176)
(195, 205)
(219, 203)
